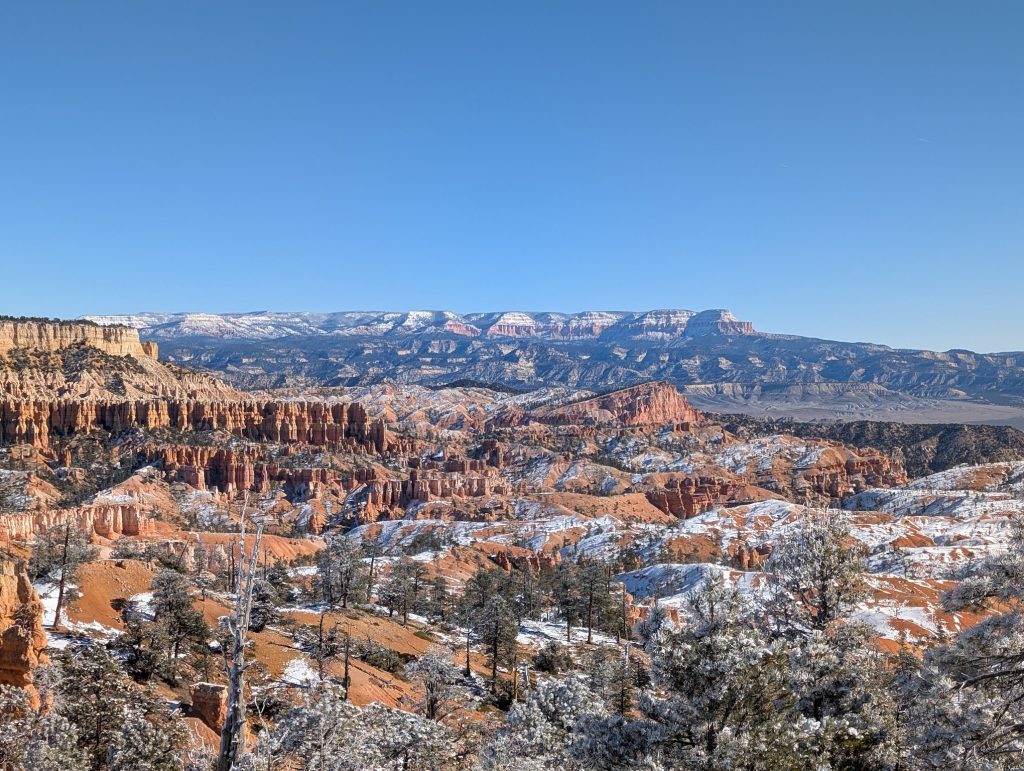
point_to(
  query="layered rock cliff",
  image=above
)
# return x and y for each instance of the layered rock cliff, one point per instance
(317, 423)
(60, 335)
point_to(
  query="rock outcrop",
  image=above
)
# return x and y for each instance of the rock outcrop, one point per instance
(22, 639)
(650, 404)
(397, 493)
(210, 704)
(692, 495)
(840, 472)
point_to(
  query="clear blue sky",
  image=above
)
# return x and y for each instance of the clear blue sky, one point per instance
(851, 170)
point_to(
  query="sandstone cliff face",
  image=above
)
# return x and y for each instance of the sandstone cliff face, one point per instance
(651, 404)
(53, 336)
(230, 470)
(105, 520)
(22, 639)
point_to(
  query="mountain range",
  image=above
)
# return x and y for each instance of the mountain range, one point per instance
(720, 362)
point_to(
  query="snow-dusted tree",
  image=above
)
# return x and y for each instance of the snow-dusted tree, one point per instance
(725, 688)
(652, 624)
(842, 684)
(553, 658)
(815, 573)
(439, 603)
(325, 643)
(408, 742)
(57, 556)
(400, 592)
(970, 690)
(35, 737)
(341, 573)
(149, 742)
(438, 677)
(621, 681)
(94, 695)
(566, 594)
(265, 603)
(327, 733)
(592, 582)
(844, 688)
(373, 548)
(538, 733)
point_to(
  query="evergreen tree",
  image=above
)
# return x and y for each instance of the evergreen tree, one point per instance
(538, 734)
(725, 689)
(815, 574)
(566, 592)
(57, 555)
(592, 579)
(327, 733)
(265, 603)
(496, 629)
(181, 625)
(35, 737)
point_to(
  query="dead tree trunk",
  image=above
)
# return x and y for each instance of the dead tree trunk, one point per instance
(232, 737)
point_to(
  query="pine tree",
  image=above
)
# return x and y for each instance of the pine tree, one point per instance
(539, 732)
(566, 592)
(57, 555)
(326, 733)
(182, 626)
(496, 629)
(592, 578)
(815, 574)
(35, 737)
(265, 603)
(149, 742)
(725, 687)
(94, 695)
(968, 695)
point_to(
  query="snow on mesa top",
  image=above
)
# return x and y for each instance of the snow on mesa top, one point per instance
(270, 325)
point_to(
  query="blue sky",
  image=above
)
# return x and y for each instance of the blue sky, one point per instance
(851, 170)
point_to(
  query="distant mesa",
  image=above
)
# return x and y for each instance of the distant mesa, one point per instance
(586, 325)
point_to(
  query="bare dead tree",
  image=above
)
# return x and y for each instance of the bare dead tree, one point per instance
(232, 737)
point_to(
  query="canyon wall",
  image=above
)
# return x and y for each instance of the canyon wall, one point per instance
(338, 425)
